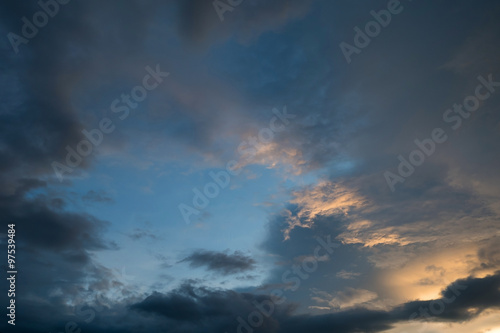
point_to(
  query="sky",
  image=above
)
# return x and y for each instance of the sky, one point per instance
(250, 166)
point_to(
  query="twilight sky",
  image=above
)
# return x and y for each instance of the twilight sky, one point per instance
(251, 165)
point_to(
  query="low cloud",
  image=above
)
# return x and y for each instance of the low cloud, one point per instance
(221, 262)
(191, 308)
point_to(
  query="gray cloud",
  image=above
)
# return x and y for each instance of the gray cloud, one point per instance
(199, 309)
(221, 262)
(139, 233)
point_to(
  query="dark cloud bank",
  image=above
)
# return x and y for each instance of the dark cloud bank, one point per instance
(192, 308)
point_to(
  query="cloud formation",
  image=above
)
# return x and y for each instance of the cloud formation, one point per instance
(191, 308)
(220, 262)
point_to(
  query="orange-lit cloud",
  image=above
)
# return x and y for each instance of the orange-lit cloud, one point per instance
(348, 298)
(324, 199)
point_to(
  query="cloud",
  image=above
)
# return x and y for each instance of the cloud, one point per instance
(275, 155)
(489, 255)
(208, 310)
(322, 199)
(57, 247)
(383, 236)
(221, 262)
(50, 229)
(470, 297)
(473, 293)
(347, 275)
(348, 298)
(139, 233)
(199, 309)
(199, 21)
(165, 262)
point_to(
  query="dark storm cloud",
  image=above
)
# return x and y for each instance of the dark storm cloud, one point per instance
(344, 322)
(185, 305)
(207, 310)
(198, 309)
(51, 235)
(458, 300)
(37, 121)
(54, 230)
(54, 248)
(221, 262)
(37, 117)
(463, 300)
